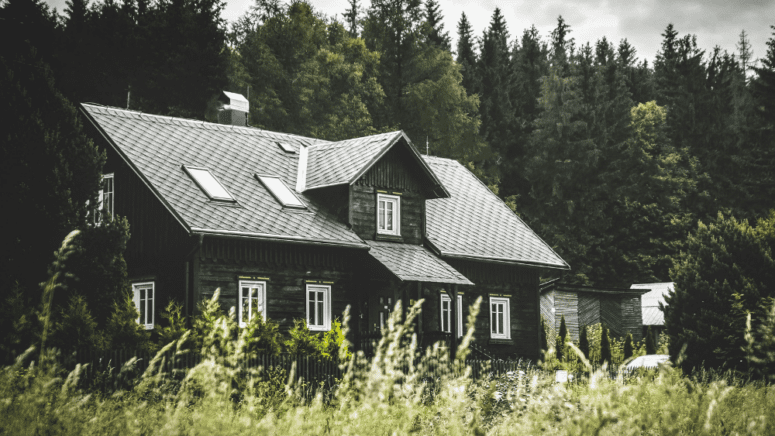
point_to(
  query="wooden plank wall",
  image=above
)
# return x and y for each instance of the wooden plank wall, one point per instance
(364, 215)
(519, 282)
(589, 310)
(567, 304)
(285, 266)
(611, 314)
(632, 319)
(547, 308)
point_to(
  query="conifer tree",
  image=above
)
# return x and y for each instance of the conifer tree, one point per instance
(605, 346)
(352, 17)
(584, 342)
(466, 55)
(651, 346)
(628, 346)
(559, 346)
(544, 340)
(436, 35)
(764, 83)
(563, 329)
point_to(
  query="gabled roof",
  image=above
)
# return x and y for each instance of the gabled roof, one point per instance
(156, 147)
(475, 224)
(344, 162)
(414, 263)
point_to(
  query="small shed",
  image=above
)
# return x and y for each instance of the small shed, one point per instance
(652, 315)
(617, 308)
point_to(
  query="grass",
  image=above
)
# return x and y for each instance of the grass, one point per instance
(386, 395)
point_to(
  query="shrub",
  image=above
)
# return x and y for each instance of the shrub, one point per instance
(605, 347)
(628, 346)
(584, 342)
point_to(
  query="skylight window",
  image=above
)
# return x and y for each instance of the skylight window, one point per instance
(280, 191)
(286, 148)
(209, 184)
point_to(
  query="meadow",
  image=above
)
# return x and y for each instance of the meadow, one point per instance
(398, 391)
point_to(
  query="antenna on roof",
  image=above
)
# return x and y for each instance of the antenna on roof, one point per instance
(128, 95)
(426, 145)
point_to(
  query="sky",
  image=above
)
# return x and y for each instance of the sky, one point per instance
(642, 22)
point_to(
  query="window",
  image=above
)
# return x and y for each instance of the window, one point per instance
(319, 307)
(388, 214)
(286, 147)
(144, 302)
(499, 318)
(281, 191)
(446, 313)
(252, 300)
(208, 183)
(104, 199)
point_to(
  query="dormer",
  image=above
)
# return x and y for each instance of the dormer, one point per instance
(384, 179)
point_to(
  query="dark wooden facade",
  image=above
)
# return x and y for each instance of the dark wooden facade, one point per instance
(188, 268)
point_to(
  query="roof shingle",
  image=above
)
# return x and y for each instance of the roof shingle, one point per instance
(415, 263)
(475, 223)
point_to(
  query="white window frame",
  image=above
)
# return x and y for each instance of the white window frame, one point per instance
(396, 201)
(104, 194)
(504, 303)
(281, 191)
(137, 290)
(227, 197)
(251, 309)
(324, 319)
(445, 298)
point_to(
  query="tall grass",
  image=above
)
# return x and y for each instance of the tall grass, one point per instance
(395, 392)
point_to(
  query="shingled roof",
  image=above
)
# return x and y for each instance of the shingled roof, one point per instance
(475, 224)
(415, 263)
(156, 147)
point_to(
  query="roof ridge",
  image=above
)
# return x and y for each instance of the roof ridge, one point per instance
(189, 122)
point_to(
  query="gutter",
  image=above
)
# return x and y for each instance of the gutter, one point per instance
(278, 238)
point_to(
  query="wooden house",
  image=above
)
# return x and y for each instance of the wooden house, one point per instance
(652, 302)
(617, 308)
(294, 227)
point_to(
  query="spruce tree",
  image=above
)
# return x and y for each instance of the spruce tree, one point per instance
(651, 347)
(605, 346)
(559, 346)
(628, 346)
(563, 329)
(544, 339)
(763, 85)
(584, 342)
(352, 17)
(466, 55)
(434, 26)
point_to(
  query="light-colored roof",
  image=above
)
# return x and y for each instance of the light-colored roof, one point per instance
(414, 263)
(474, 223)
(650, 301)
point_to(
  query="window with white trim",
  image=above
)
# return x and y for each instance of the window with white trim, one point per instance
(252, 300)
(104, 199)
(388, 214)
(281, 192)
(446, 313)
(319, 307)
(500, 316)
(144, 298)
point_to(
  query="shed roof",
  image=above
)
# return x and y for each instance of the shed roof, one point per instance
(650, 301)
(475, 224)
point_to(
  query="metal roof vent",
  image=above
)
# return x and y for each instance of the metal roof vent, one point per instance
(235, 109)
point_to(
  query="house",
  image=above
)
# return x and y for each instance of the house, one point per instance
(618, 308)
(294, 227)
(653, 317)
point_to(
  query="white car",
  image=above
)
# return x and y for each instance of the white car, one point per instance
(648, 361)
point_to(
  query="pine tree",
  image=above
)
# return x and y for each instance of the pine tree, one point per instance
(584, 342)
(123, 331)
(352, 18)
(764, 83)
(605, 346)
(40, 131)
(466, 56)
(544, 339)
(563, 329)
(435, 26)
(628, 346)
(651, 347)
(559, 346)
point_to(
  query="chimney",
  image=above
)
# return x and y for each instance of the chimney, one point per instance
(235, 109)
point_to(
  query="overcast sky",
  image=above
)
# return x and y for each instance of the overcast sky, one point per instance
(715, 22)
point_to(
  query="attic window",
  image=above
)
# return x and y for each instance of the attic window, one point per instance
(286, 148)
(281, 192)
(208, 183)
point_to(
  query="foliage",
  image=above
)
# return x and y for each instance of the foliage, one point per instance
(651, 347)
(76, 328)
(584, 342)
(175, 323)
(760, 347)
(628, 346)
(726, 272)
(123, 330)
(263, 336)
(563, 329)
(605, 347)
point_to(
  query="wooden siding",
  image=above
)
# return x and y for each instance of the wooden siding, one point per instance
(285, 266)
(397, 170)
(521, 284)
(589, 310)
(611, 314)
(547, 308)
(632, 317)
(567, 304)
(364, 214)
